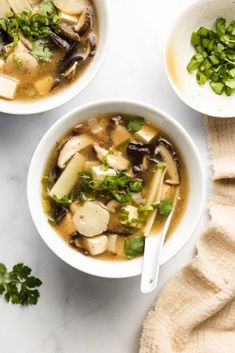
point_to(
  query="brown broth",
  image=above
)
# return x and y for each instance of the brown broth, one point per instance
(159, 220)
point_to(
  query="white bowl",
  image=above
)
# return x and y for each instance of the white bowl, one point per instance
(176, 133)
(179, 51)
(64, 95)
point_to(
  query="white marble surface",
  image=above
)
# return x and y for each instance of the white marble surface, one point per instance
(77, 312)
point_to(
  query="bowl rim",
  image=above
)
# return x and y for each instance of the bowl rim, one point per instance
(45, 104)
(183, 98)
(92, 270)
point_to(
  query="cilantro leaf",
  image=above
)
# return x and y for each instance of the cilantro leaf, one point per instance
(64, 201)
(41, 53)
(165, 207)
(47, 7)
(135, 124)
(18, 286)
(134, 246)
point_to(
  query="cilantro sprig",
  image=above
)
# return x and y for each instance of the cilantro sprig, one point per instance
(134, 246)
(41, 53)
(135, 124)
(19, 286)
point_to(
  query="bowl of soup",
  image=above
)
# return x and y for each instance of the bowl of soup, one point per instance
(105, 176)
(50, 50)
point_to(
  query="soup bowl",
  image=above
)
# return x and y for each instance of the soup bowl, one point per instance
(178, 52)
(65, 94)
(176, 134)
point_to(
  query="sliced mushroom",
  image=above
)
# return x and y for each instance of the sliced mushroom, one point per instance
(68, 32)
(115, 161)
(71, 7)
(92, 44)
(137, 153)
(73, 145)
(81, 128)
(167, 153)
(85, 22)
(74, 55)
(59, 42)
(91, 219)
(71, 72)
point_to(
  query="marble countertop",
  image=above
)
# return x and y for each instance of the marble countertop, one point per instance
(78, 312)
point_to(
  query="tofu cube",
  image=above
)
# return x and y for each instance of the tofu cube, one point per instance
(115, 244)
(98, 173)
(132, 214)
(95, 127)
(69, 19)
(119, 135)
(146, 133)
(44, 84)
(96, 245)
(8, 87)
(89, 164)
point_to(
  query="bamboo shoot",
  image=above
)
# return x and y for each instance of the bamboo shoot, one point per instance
(68, 178)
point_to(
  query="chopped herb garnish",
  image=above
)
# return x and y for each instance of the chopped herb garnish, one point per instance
(18, 286)
(111, 187)
(135, 124)
(136, 185)
(134, 246)
(64, 201)
(214, 59)
(33, 26)
(41, 53)
(165, 207)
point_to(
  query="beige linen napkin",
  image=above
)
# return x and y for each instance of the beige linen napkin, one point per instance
(195, 311)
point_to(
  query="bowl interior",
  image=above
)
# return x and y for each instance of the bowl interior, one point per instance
(179, 51)
(69, 92)
(188, 222)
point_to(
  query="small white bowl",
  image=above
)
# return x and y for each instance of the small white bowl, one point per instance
(176, 133)
(179, 51)
(64, 95)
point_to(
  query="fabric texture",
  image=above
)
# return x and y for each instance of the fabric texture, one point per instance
(195, 311)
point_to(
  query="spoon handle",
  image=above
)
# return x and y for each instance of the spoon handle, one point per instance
(152, 255)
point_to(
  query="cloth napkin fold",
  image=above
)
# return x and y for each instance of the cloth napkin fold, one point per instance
(195, 311)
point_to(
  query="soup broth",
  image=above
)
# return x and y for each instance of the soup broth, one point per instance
(111, 181)
(49, 48)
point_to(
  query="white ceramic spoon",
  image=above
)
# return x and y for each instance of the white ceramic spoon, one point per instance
(152, 255)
